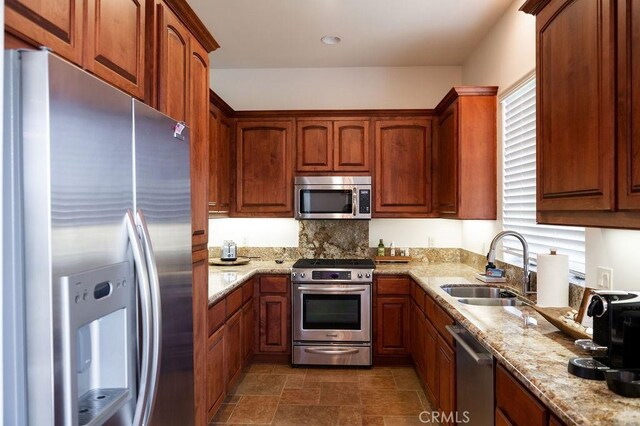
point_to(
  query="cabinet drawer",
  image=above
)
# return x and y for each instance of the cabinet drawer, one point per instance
(394, 285)
(215, 316)
(274, 284)
(515, 402)
(440, 321)
(418, 295)
(430, 308)
(247, 291)
(234, 301)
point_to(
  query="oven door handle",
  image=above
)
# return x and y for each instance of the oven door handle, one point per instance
(333, 290)
(331, 351)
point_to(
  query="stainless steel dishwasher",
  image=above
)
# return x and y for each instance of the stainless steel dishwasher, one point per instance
(474, 379)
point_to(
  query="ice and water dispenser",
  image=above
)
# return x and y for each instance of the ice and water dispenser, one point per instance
(98, 331)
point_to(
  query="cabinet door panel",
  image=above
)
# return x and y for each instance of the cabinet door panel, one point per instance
(224, 163)
(215, 372)
(200, 329)
(273, 324)
(264, 168)
(392, 326)
(351, 149)
(55, 24)
(517, 404)
(115, 43)
(629, 117)
(403, 167)
(173, 65)
(576, 107)
(233, 349)
(446, 161)
(197, 113)
(447, 378)
(314, 146)
(247, 332)
(431, 362)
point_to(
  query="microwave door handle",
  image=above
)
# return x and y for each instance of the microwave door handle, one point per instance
(354, 201)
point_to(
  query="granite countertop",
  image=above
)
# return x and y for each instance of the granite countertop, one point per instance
(537, 354)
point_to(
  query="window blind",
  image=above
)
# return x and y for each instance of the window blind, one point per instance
(519, 186)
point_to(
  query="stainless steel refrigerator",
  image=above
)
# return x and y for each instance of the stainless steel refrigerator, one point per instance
(97, 283)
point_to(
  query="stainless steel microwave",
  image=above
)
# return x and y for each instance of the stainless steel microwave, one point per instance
(333, 197)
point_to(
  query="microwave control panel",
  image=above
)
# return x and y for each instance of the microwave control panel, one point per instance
(365, 201)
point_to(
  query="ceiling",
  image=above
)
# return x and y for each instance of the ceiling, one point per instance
(286, 33)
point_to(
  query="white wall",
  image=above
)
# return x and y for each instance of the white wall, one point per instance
(334, 88)
(502, 58)
(266, 232)
(416, 232)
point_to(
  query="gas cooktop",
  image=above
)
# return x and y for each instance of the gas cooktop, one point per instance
(335, 264)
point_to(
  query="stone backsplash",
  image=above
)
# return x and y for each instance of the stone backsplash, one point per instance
(333, 239)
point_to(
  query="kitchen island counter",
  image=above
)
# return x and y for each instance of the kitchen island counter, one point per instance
(532, 349)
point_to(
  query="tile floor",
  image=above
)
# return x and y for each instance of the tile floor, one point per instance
(281, 395)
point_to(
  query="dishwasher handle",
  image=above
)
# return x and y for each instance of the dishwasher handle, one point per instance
(479, 358)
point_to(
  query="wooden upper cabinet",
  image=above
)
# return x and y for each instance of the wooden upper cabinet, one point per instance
(351, 141)
(588, 170)
(576, 105)
(333, 146)
(219, 161)
(402, 168)
(57, 24)
(314, 146)
(264, 177)
(464, 154)
(174, 55)
(628, 116)
(198, 110)
(115, 43)
(445, 150)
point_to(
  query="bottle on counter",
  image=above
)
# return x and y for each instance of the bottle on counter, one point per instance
(380, 248)
(393, 249)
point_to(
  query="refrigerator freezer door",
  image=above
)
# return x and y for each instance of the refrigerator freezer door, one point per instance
(77, 187)
(162, 194)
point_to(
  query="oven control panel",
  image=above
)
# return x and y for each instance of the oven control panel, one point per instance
(332, 275)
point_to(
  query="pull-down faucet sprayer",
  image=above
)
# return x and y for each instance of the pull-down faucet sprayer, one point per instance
(491, 257)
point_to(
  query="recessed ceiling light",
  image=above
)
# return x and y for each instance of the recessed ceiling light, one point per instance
(329, 39)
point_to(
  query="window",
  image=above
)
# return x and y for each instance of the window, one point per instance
(519, 185)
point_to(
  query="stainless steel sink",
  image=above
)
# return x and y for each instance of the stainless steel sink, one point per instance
(475, 292)
(509, 301)
(482, 295)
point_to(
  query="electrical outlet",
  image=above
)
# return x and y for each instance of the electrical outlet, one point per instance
(604, 277)
(432, 242)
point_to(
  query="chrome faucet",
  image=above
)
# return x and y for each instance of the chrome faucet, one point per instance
(491, 257)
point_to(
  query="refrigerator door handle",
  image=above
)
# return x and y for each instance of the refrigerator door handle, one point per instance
(145, 315)
(156, 311)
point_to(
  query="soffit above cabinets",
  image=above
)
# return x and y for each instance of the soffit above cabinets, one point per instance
(286, 33)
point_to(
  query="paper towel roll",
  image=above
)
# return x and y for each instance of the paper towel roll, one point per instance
(553, 280)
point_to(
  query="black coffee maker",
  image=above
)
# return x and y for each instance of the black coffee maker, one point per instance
(616, 335)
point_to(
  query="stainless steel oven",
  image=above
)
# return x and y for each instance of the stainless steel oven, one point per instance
(331, 313)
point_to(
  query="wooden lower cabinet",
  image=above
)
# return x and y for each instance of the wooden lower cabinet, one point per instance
(233, 349)
(431, 361)
(229, 346)
(215, 372)
(392, 325)
(274, 311)
(515, 405)
(274, 320)
(446, 364)
(247, 332)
